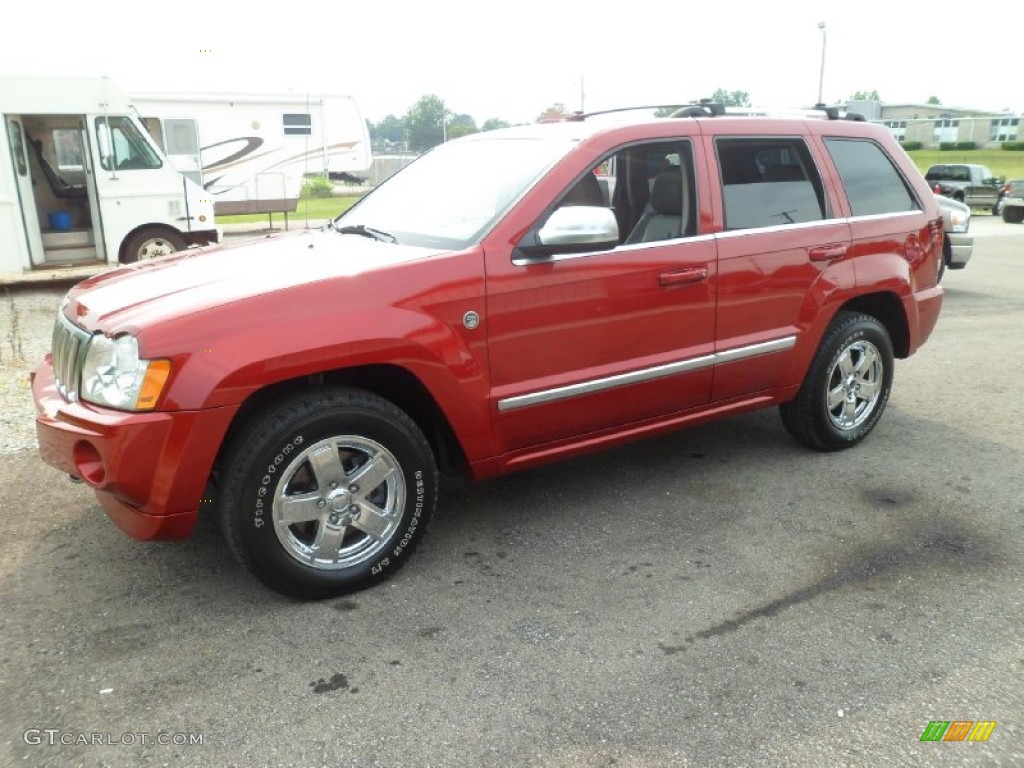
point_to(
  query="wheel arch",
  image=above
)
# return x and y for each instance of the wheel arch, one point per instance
(887, 308)
(391, 382)
(155, 228)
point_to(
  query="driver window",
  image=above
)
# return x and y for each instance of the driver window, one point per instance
(649, 187)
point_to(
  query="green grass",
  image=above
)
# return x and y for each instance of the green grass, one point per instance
(308, 208)
(1010, 165)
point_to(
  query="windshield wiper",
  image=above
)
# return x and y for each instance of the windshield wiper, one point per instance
(365, 231)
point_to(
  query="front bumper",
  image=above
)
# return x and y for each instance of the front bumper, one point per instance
(149, 470)
(961, 244)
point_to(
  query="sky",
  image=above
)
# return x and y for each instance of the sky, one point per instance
(513, 60)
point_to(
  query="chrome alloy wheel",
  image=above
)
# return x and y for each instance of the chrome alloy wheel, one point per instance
(338, 502)
(854, 385)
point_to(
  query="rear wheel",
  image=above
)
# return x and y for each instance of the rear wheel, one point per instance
(847, 386)
(327, 492)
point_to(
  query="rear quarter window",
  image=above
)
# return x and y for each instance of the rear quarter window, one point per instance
(872, 183)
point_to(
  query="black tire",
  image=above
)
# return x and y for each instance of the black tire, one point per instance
(829, 412)
(947, 254)
(151, 243)
(1007, 217)
(268, 472)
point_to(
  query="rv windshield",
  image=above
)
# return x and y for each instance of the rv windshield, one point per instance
(453, 195)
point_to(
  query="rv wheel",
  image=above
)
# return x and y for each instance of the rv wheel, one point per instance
(152, 243)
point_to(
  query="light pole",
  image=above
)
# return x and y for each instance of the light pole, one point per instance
(821, 77)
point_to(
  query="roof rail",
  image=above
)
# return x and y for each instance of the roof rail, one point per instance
(702, 108)
(706, 108)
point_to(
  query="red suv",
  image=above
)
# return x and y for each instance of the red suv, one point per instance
(509, 299)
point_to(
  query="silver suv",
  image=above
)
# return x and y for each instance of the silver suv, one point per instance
(958, 243)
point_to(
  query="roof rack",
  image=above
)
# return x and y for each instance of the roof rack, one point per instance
(707, 108)
(832, 113)
(702, 108)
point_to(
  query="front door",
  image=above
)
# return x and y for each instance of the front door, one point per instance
(585, 342)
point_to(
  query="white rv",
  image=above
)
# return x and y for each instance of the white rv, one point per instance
(251, 152)
(81, 182)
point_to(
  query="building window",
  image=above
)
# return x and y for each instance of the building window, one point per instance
(946, 130)
(298, 124)
(898, 129)
(1004, 129)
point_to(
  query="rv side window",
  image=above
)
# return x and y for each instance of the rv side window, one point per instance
(67, 146)
(123, 147)
(182, 138)
(18, 146)
(298, 124)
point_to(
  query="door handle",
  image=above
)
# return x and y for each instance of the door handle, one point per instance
(828, 252)
(683, 276)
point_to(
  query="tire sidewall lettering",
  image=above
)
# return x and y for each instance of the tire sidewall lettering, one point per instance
(258, 515)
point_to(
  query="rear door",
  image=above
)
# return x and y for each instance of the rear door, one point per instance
(780, 237)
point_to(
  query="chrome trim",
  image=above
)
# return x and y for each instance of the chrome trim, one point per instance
(753, 350)
(608, 382)
(68, 347)
(644, 374)
(877, 216)
(525, 262)
(778, 228)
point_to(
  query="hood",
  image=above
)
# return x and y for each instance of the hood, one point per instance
(135, 296)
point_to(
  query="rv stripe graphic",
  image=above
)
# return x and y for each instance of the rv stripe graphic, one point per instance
(958, 730)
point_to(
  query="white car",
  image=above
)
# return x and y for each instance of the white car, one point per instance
(958, 243)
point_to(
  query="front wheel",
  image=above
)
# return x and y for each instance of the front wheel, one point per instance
(847, 386)
(327, 492)
(151, 244)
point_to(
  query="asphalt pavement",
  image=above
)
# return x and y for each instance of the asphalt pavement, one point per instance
(718, 597)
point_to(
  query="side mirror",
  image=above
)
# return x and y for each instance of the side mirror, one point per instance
(580, 225)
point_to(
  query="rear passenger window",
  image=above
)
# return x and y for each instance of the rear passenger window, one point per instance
(769, 183)
(873, 185)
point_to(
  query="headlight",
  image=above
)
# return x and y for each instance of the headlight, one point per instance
(959, 220)
(113, 374)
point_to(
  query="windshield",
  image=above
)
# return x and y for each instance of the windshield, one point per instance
(453, 195)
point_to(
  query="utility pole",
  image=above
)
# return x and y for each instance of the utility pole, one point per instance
(821, 77)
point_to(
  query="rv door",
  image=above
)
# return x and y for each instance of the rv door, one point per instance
(25, 195)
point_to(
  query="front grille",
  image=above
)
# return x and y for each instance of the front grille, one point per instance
(69, 345)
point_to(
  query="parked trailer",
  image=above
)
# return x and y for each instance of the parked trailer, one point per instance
(82, 183)
(251, 152)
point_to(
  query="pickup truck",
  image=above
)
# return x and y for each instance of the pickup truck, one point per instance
(974, 185)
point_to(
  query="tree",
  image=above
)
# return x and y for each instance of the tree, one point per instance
(389, 131)
(866, 96)
(424, 123)
(731, 98)
(554, 112)
(461, 125)
(933, 100)
(493, 124)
